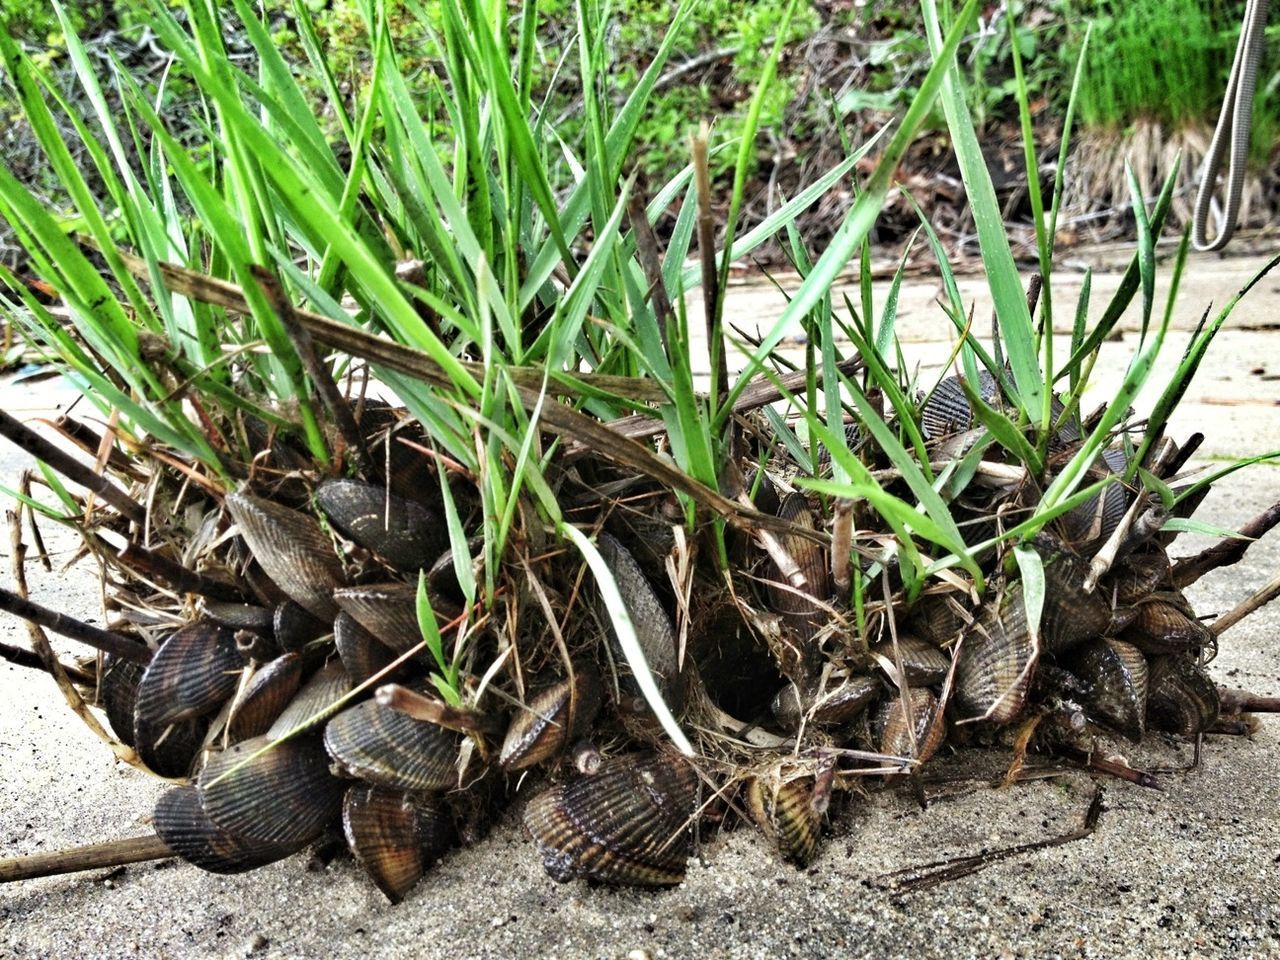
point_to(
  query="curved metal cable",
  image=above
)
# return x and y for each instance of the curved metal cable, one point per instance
(1233, 127)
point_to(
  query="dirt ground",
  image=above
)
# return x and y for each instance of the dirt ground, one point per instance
(1188, 870)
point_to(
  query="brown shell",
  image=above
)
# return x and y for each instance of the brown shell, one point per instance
(170, 750)
(362, 654)
(1070, 616)
(947, 410)
(784, 812)
(278, 792)
(240, 616)
(1163, 625)
(393, 750)
(1087, 526)
(387, 610)
(314, 703)
(293, 549)
(270, 690)
(802, 614)
(627, 824)
(294, 627)
(1113, 675)
(394, 835)
(552, 720)
(404, 533)
(924, 663)
(118, 693)
(653, 627)
(997, 660)
(1138, 576)
(193, 674)
(894, 732)
(935, 619)
(180, 821)
(1181, 699)
(834, 708)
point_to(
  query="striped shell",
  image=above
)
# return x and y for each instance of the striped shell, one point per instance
(180, 821)
(552, 720)
(268, 693)
(393, 750)
(1163, 625)
(387, 610)
(314, 703)
(923, 663)
(1181, 699)
(394, 835)
(947, 410)
(627, 824)
(404, 533)
(362, 654)
(894, 732)
(797, 604)
(784, 811)
(292, 548)
(997, 660)
(1113, 675)
(834, 708)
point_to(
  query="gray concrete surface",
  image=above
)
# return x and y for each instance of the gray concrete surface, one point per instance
(1189, 871)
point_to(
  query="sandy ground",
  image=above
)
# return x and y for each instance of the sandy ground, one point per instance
(1186, 871)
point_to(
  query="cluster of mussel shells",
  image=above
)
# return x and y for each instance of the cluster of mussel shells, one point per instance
(269, 713)
(255, 706)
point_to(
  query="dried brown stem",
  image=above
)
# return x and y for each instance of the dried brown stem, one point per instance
(1234, 702)
(651, 262)
(40, 448)
(1264, 595)
(1225, 552)
(115, 644)
(413, 704)
(95, 856)
(22, 657)
(318, 372)
(157, 566)
(707, 256)
(1112, 768)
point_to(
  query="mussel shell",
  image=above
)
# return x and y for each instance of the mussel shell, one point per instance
(784, 812)
(552, 720)
(803, 615)
(936, 619)
(1163, 625)
(180, 821)
(653, 627)
(193, 674)
(169, 750)
(293, 549)
(1070, 616)
(285, 795)
(387, 610)
(1181, 699)
(240, 616)
(1138, 576)
(947, 410)
(834, 708)
(1113, 675)
(393, 750)
(362, 654)
(294, 627)
(997, 660)
(893, 732)
(270, 690)
(118, 693)
(314, 703)
(1087, 526)
(394, 835)
(404, 533)
(923, 663)
(627, 824)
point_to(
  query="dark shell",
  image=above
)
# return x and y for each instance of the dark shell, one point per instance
(294, 627)
(834, 708)
(240, 616)
(293, 549)
(394, 835)
(118, 693)
(935, 618)
(170, 750)
(193, 674)
(180, 821)
(393, 750)
(1164, 625)
(627, 824)
(653, 627)
(314, 703)
(1113, 675)
(893, 732)
(1070, 616)
(997, 660)
(553, 719)
(784, 812)
(1181, 699)
(404, 533)
(285, 795)
(947, 410)
(1087, 526)
(387, 610)
(362, 654)
(268, 693)
(924, 663)
(1138, 576)
(801, 613)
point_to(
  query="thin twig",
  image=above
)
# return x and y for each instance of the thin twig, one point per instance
(1265, 594)
(95, 856)
(651, 262)
(116, 644)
